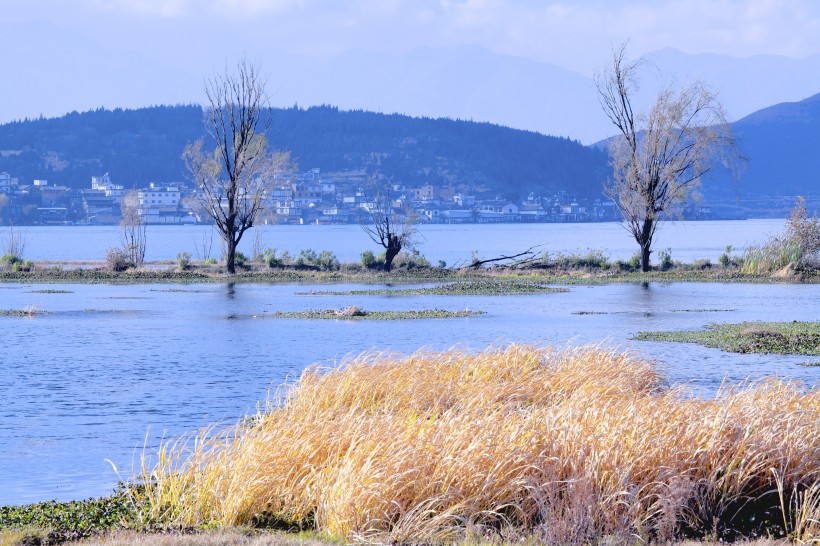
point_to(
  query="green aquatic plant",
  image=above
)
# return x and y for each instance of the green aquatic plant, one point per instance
(55, 522)
(478, 287)
(749, 337)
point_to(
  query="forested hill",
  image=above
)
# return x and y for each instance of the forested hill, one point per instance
(140, 146)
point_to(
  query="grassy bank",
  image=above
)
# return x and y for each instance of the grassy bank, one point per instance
(554, 273)
(549, 445)
(750, 337)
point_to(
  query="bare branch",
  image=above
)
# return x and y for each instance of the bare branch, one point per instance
(658, 159)
(389, 229)
(234, 180)
(133, 228)
(528, 255)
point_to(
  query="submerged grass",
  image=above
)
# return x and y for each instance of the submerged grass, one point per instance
(750, 337)
(477, 287)
(29, 311)
(356, 313)
(552, 445)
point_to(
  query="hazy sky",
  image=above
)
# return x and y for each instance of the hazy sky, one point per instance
(199, 36)
(573, 34)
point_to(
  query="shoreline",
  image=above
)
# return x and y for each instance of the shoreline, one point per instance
(89, 272)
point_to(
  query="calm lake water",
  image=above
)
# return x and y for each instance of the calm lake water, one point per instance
(112, 368)
(453, 244)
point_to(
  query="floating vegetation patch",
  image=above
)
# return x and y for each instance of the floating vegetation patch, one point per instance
(357, 313)
(702, 310)
(809, 364)
(750, 337)
(481, 287)
(50, 291)
(180, 290)
(592, 313)
(26, 312)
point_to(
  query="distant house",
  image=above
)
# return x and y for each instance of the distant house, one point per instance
(428, 213)
(456, 216)
(425, 193)
(464, 200)
(103, 183)
(532, 212)
(161, 205)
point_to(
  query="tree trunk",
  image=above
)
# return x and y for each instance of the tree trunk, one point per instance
(644, 239)
(230, 257)
(392, 250)
(645, 252)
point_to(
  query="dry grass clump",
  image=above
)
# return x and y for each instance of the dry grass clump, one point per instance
(567, 445)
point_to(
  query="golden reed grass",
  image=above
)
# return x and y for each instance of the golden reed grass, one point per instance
(567, 445)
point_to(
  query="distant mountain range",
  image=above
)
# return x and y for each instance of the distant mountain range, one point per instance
(469, 83)
(140, 146)
(781, 145)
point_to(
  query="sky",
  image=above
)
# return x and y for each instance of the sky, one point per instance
(47, 42)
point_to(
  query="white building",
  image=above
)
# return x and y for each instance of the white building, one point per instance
(156, 197)
(103, 183)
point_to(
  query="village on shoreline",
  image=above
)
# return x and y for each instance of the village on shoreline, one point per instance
(315, 197)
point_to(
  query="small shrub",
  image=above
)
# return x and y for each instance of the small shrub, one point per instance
(210, 261)
(798, 245)
(25, 265)
(117, 259)
(409, 260)
(307, 256)
(270, 257)
(10, 261)
(805, 233)
(184, 261)
(635, 261)
(368, 259)
(666, 259)
(724, 259)
(594, 259)
(703, 263)
(240, 259)
(328, 261)
(442, 264)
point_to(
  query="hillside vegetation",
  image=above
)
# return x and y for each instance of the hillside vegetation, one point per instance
(144, 145)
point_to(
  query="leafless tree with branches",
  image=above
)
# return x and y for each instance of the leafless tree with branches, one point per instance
(658, 158)
(133, 228)
(388, 228)
(234, 180)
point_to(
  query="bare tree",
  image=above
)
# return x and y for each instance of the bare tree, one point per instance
(234, 180)
(133, 228)
(659, 158)
(389, 229)
(15, 243)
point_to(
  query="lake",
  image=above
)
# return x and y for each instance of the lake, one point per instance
(453, 244)
(112, 368)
